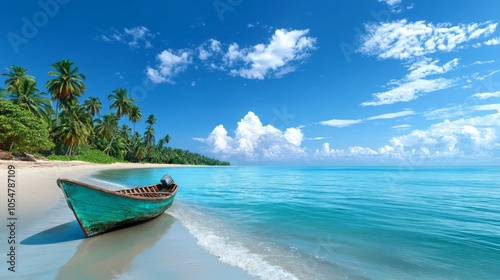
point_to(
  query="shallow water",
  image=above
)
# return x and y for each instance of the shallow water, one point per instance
(340, 223)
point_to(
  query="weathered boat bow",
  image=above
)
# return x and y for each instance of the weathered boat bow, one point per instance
(100, 210)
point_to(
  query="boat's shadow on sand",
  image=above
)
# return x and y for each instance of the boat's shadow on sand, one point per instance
(102, 256)
(70, 231)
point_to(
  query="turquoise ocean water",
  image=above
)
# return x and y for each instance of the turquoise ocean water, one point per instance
(340, 223)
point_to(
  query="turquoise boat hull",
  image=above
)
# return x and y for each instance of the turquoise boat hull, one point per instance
(99, 210)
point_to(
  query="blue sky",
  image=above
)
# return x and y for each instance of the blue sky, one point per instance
(393, 82)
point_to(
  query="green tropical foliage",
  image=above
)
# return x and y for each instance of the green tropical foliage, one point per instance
(77, 131)
(75, 128)
(86, 153)
(3, 94)
(21, 129)
(28, 95)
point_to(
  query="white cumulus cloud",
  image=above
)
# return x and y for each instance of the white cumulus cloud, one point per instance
(170, 64)
(254, 141)
(209, 48)
(285, 49)
(472, 137)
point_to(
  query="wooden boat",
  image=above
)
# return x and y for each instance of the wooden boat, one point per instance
(99, 210)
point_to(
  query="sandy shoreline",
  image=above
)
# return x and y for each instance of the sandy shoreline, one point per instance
(46, 223)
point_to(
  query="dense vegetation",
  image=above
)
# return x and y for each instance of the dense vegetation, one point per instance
(77, 131)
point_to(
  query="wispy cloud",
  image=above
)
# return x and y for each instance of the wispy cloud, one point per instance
(393, 4)
(486, 95)
(414, 84)
(448, 113)
(480, 62)
(134, 37)
(484, 77)
(408, 91)
(392, 115)
(340, 123)
(401, 126)
(344, 123)
(406, 40)
(427, 67)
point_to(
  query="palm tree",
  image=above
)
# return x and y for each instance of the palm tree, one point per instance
(93, 105)
(135, 115)
(163, 141)
(3, 93)
(149, 135)
(136, 149)
(75, 128)
(125, 131)
(121, 102)
(106, 125)
(66, 84)
(167, 139)
(28, 95)
(123, 105)
(151, 119)
(15, 76)
(106, 128)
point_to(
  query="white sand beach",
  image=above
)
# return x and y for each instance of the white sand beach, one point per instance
(51, 245)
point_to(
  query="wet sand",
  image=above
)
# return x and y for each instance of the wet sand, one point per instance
(51, 245)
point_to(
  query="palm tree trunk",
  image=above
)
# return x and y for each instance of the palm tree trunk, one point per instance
(111, 142)
(57, 112)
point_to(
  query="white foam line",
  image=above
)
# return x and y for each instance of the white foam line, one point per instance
(227, 251)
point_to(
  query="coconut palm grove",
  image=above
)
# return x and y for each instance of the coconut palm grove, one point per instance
(65, 124)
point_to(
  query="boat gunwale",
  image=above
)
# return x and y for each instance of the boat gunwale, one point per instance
(119, 193)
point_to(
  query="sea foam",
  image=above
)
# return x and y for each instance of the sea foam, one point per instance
(210, 235)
